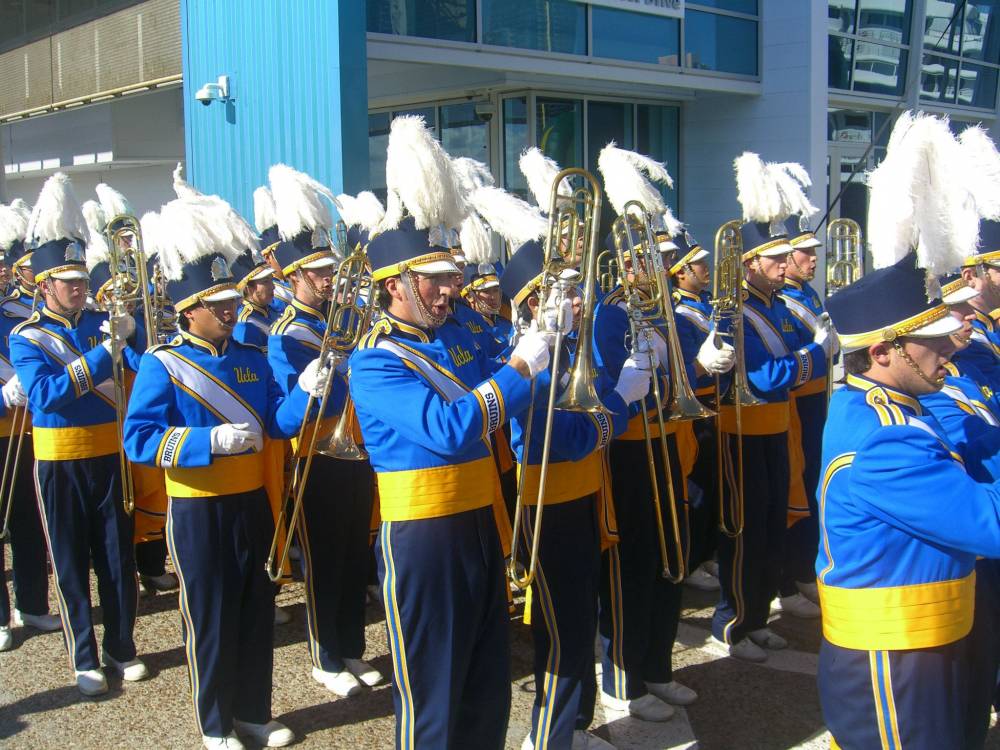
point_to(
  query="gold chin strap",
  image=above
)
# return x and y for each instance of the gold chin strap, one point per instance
(934, 382)
(312, 287)
(427, 318)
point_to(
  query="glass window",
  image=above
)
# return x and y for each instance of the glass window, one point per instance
(378, 142)
(463, 133)
(656, 134)
(840, 16)
(622, 35)
(549, 25)
(515, 140)
(39, 15)
(70, 8)
(454, 20)
(943, 25)
(559, 130)
(841, 49)
(606, 122)
(938, 78)
(977, 86)
(428, 113)
(740, 6)
(878, 68)
(884, 20)
(723, 43)
(980, 34)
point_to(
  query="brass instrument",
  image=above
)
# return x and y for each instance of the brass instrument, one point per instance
(573, 224)
(727, 306)
(608, 271)
(845, 254)
(346, 323)
(164, 319)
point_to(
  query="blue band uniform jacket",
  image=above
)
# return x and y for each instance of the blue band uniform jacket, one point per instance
(254, 323)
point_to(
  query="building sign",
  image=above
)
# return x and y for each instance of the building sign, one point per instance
(668, 8)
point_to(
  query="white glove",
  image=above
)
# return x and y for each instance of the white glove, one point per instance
(315, 379)
(533, 349)
(13, 393)
(715, 360)
(634, 379)
(558, 318)
(124, 328)
(230, 439)
(823, 336)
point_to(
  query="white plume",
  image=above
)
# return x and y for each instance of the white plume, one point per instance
(149, 225)
(627, 178)
(792, 180)
(21, 207)
(57, 213)
(94, 215)
(370, 211)
(420, 178)
(475, 240)
(182, 187)
(757, 190)
(13, 224)
(540, 171)
(982, 169)
(97, 245)
(263, 209)
(298, 201)
(515, 220)
(186, 231)
(472, 174)
(113, 203)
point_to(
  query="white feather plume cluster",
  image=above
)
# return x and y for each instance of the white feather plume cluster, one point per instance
(472, 174)
(263, 209)
(184, 231)
(97, 244)
(515, 220)
(57, 213)
(919, 198)
(771, 191)
(540, 171)
(629, 176)
(13, 225)
(982, 171)
(420, 178)
(182, 188)
(299, 203)
(474, 238)
(112, 202)
(363, 210)
(21, 207)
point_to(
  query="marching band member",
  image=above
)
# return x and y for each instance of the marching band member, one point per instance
(21, 301)
(267, 227)
(333, 527)
(255, 281)
(981, 271)
(65, 369)
(563, 603)
(201, 407)
(482, 291)
(807, 415)
(27, 542)
(427, 402)
(750, 562)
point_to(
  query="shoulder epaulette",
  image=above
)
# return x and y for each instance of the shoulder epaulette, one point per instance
(380, 328)
(175, 341)
(613, 297)
(245, 312)
(30, 320)
(287, 316)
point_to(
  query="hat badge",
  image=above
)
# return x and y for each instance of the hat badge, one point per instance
(320, 237)
(689, 239)
(803, 223)
(74, 252)
(776, 228)
(220, 270)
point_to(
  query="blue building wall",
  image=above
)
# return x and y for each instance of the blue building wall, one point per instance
(298, 82)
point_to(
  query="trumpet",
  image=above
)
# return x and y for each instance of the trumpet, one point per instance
(573, 224)
(843, 237)
(727, 307)
(346, 322)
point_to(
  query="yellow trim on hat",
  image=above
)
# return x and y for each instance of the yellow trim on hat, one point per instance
(993, 256)
(252, 276)
(197, 297)
(751, 254)
(684, 261)
(800, 238)
(269, 249)
(402, 266)
(22, 260)
(952, 286)
(893, 331)
(299, 262)
(527, 289)
(43, 275)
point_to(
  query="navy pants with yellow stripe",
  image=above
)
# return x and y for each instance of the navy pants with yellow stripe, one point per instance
(640, 609)
(802, 537)
(85, 521)
(219, 546)
(443, 586)
(27, 544)
(895, 700)
(564, 620)
(750, 563)
(336, 515)
(704, 495)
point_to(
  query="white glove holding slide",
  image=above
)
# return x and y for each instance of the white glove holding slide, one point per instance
(13, 393)
(533, 350)
(634, 379)
(315, 379)
(230, 439)
(715, 360)
(823, 336)
(554, 314)
(832, 330)
(123, 329)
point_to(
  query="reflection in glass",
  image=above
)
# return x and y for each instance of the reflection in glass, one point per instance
(839, 71)
(980, 32)
(977, 86)
(938, 78)
(515, 140)
(559, 130)
(550, 25)
(463, 133)
(454, 20)
(849, 126)
(621, 35)
(722, 43)
(840, 16)
(656, 133)
(739, 6)
(943, 25)
(878, 68)
(884, 20)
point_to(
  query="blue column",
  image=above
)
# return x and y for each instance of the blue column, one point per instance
(298, 93)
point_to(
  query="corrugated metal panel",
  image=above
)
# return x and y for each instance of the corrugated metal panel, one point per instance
(298, 76)
(128, 48)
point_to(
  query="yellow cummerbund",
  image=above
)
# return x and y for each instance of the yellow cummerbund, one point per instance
(325, 428)
(226, 475)
(767, 419)
(566, 480)
(635, 431)
(814, 386)
(438, 491)
(68, 443)
(895, 618)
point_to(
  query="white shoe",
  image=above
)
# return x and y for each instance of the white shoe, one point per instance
(343, 683)
(364, 672)
(646, 708)
(672, 692)
(745, 650)
(809, 590)
(92, 682)
(702, 580)
(586, 741)
(130, 671)
(711, 567)
(232, 742)
(281, 616)
(166, 582)
(798, 606)
(45, 623)
(272, 734)
(767, 638)
(6, 638)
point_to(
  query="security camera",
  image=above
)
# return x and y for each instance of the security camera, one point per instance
(214, 92)
(485, 111)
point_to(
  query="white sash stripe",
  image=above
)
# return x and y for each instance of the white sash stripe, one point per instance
(695, 316)
(774, 343)
(6, 370)
(68, 359)
(956, 394)
(305, 334)
(448, 387)
(213, 392)
(264, 327)
(801, 312)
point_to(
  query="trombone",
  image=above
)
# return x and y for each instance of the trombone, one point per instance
(573, 225)
(346, 323)
(608, 272)
(843, 238)
(727, 307)
(8, 480)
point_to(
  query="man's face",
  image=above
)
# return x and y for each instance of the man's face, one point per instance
(929, 357)
(213, 321)
(457, 282)
(26, 275)
(487, 300)
(436, 291)
(986, 281)
(695, 276)
(313, 286)
(802, 264)
(260, 293)
(65, 296)
(768, 272)
(965, 314)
